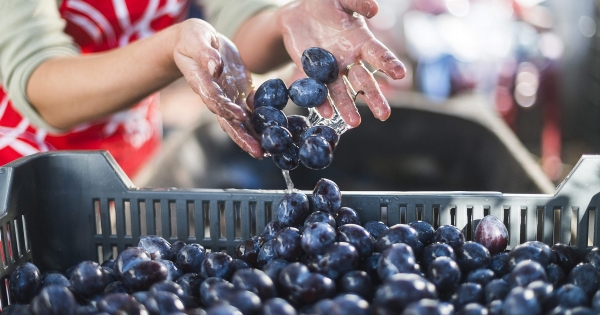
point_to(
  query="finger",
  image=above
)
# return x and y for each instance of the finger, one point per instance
(250, 100)
(344, 103)
(200, 42)
(243, 136)
(376, 54)
(359, 76)
(325, 109)
(366, 8)
(203, 84)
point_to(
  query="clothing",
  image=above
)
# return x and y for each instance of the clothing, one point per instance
(32, 31)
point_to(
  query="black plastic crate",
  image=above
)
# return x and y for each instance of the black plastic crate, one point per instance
(60, 208)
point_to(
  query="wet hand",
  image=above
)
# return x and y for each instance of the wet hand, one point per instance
(212, 67)
(339, 26)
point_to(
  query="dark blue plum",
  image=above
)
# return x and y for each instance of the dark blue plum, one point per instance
(213, 289)
(375, 228)
(248, 249)
(358, 237)
(271, 229)
(481, 276)
(317, 238)
(491, 233)
(216, 264)
(521, 301)
(168, 302)
(288, 160)
(287, 243)
(369, 265)
(339, 258)
(326, 196)
(593, 257)
(53, 299)
(175, 248)
(499, 264)
(444, 273)
(325, 132)
(190, 284)
(88, 279)
(473, 309)
(126, 258)
(466, 293)
(397, 258)
(223, 309)
(265, 116)
(238, 264)
(435, 250)
(429, 306)
(290, 275)
(450, 235)
(357, 282)
(173, 272)
(245, 301)
(116, 287)
(111, 303)
(402, 289)
(277, 306)
(308, 92)
(472, 256)
(190, 257)
(570, 296)
(566, 256)
(496, 289)
(315, 153)
(273, 267)
(54, 278)
(346, 215)
(293, 209)
(276, 139)
(399, 233)
(320, 216)
(529, 251)
(271, 93)
(349, 304)
(545, 294)
(311, 288)
(320, 64)
(254, 280)
(525, 273)
(265, 254)
(586, 277)
(142, 275)
(156, 246)
(425, 231)
(297, 125)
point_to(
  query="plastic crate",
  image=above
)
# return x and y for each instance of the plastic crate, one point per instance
(61, 208)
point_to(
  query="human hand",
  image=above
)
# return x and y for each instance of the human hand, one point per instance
(331, 25)
(213, 68)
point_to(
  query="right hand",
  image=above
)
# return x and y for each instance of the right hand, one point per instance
(214, 70)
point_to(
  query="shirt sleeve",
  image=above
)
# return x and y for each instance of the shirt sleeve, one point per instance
(226, 16)
(31, 31)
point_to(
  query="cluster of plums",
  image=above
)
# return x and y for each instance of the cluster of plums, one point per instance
(291, 140)
(318, 257)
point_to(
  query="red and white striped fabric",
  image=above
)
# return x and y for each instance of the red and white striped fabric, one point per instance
(130, 136)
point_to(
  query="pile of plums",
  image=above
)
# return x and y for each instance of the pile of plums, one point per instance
(318, 257)
(291, 140)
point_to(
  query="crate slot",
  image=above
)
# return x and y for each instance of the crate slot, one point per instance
(269, 212)
(25, 235)
(6, 293)
(206, 215)
(9, 243)
(591, 226)
(403, 214)
(100, 253)
(127, 214)
(539, 233)
(173, 218)
(115, 252)
(222, 221)
(418, 212)
(574, 226)
(252, 217)
(486, 210)
(523, 225)
(469, 225)
(436, 216)
(157, 217)
(383, 214)
(143, 217)
(112, 216)
(191, 221)
(453, 215)
(17, 239)
(237, 219)
(97, 216)
(2, 251)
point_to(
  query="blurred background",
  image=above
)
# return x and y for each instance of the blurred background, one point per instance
(528, 68)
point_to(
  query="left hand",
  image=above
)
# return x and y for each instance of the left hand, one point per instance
(331, 25)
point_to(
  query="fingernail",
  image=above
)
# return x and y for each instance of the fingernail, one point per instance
(212, 66)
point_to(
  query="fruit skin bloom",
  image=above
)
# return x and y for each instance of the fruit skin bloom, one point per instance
(491, 233)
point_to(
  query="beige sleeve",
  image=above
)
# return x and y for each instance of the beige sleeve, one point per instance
(31, 31)
(226, 16)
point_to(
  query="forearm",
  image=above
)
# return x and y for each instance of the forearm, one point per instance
(260, 42)
(70, 90)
